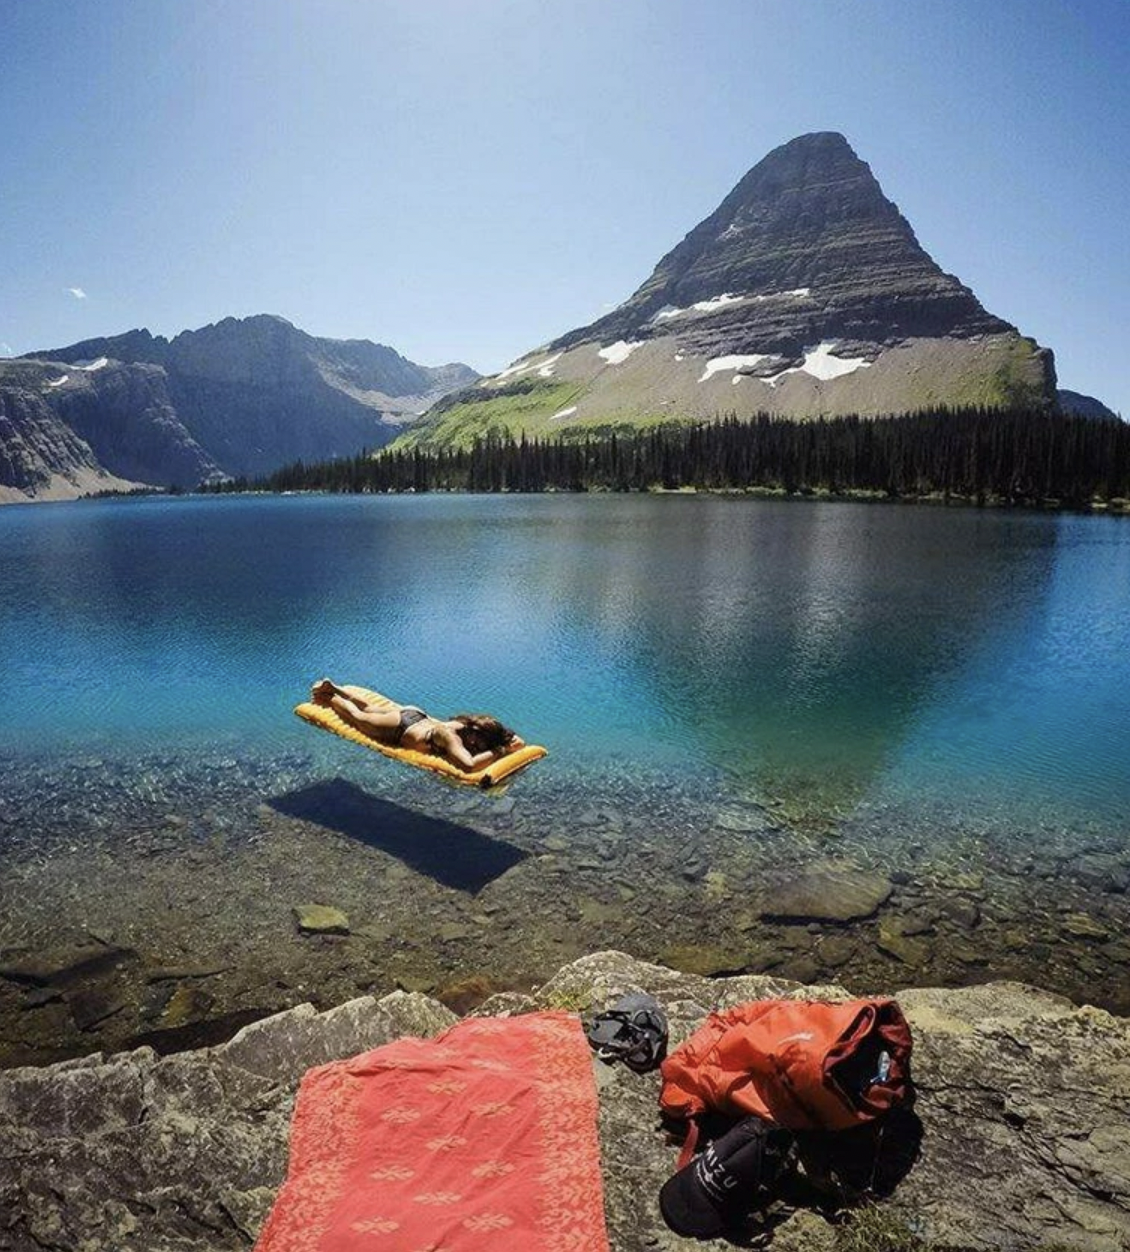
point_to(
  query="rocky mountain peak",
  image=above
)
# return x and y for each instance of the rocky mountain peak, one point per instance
(805, 247)
(238, 396)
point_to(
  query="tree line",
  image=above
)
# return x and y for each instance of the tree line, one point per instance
(1015, 456)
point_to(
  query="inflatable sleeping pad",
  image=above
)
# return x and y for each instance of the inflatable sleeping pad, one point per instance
(491, 775)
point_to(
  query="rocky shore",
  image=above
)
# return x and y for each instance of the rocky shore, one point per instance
(1022, 1110)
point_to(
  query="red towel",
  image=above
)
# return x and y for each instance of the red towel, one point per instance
(482, 1138)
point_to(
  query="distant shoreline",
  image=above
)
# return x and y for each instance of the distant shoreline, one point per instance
(855, 495)
(1114, 508)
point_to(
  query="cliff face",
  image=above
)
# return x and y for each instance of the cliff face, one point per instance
(127, 416)
(240, 397)
(1018, 1138)
(804, 293)
(36, 446)
(70, 431)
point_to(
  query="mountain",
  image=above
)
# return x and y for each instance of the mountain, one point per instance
(41, 456)
(243, 396)
(804, 293)
(1084, 406)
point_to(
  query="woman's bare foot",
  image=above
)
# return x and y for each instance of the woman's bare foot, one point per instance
(323, 691)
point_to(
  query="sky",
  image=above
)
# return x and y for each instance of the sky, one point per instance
(466, 179)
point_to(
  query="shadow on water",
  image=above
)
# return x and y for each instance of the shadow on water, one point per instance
(456, 856)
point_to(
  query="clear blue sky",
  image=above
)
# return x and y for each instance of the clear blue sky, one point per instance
(464, 179)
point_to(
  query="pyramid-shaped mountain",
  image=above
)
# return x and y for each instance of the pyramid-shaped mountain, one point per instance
(804, 293)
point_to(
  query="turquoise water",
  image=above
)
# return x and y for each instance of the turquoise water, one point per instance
(875, 745)
(831, 658)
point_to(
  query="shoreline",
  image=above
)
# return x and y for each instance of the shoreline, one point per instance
(1112, 508)
(1117, 507)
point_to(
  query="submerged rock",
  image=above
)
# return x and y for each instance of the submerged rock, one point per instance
(93, 1005)
(1082, 926)
(321, 919)
(963, 913)
(694, 958)
(834, 894)
(894, 941)
(186, 1004)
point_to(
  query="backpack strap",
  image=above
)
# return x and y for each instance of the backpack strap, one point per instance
(689, 1143)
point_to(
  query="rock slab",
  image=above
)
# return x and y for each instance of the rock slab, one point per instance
(1023, 1099)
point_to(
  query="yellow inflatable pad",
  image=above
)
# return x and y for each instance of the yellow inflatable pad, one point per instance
(489, 776)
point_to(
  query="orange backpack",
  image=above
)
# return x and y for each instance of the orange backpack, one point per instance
(802, 1064)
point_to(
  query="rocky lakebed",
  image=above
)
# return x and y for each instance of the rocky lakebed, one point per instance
(168, 905)
(181, 937)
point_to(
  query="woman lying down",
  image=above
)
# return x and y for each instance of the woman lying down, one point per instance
(470, 740)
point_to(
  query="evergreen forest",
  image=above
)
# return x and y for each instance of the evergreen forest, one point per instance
(982, 455)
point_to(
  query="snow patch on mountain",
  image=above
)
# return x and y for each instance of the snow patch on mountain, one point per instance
(617, 353)
(670, 311)
(821, 364)
(544, 368)
(718, 302)
(720, 363)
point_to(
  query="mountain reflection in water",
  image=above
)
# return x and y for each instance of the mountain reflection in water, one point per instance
(808, 654)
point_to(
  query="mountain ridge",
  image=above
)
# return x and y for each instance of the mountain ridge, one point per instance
(240, 396)
(774, 202)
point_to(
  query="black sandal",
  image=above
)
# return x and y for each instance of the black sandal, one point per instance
(633, 1030)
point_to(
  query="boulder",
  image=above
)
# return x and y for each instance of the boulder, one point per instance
(138, 1152)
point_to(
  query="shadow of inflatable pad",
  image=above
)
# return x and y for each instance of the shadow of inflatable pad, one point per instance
(456, 856)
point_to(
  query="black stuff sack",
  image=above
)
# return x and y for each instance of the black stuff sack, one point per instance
(734, 1176)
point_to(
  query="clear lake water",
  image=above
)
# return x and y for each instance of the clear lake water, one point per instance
(743, 689)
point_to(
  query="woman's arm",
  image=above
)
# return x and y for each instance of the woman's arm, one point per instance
(451, 746)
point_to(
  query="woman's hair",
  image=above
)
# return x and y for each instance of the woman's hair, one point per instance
(481, 733)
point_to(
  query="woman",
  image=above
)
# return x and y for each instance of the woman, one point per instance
(470, 740)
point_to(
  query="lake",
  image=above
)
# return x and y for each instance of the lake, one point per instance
(874, 744)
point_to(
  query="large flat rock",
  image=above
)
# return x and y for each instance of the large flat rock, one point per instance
(1023, 1105)
(828, 895)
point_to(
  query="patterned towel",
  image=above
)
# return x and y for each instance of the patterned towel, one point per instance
(482, 1138)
